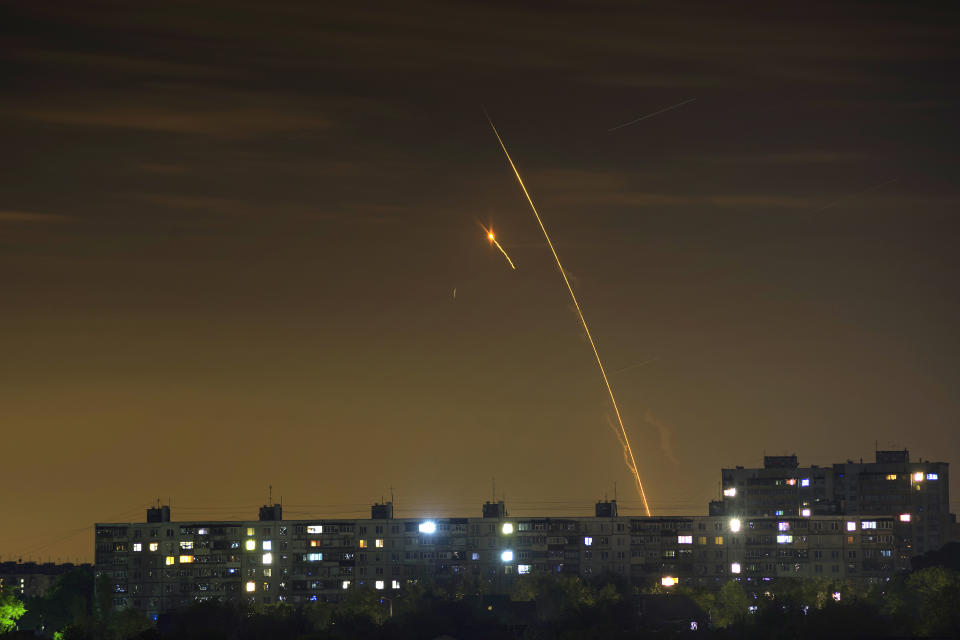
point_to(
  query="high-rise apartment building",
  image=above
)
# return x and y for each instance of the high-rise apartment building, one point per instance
(916, 494)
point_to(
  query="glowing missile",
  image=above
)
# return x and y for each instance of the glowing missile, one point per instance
(493, 240)
(632, 465)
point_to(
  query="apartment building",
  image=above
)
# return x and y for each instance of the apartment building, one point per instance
(917, 494)
(160, 565)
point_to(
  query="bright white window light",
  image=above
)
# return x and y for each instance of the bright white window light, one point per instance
(185, 544)
(154, 546)
(836, 596)
(851, 526)
(684, 539)
(783, 526)
(507, 556)
(251, 545)
(933, 476)
(507, 528)
(380, 584)
(668, 581)
(784, 539)
(428, 526)
(395, 584)
(203, 531)
(314, 528)
(904, 517)
(868, 524)
(734, 524)
(268, 558)
(475, 556)
(731, 492)
(805, 513)
(587, 541)
(314, 557)
(735, 567)
(137, 546)
(918, 476)
(268, 545)
(523, 568)
(805, 482)
(251, 586)
(378, 543)
(345, 584)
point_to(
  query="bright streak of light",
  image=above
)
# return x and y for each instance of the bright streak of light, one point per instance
(650, 115)
(493, 240)
(626, 440)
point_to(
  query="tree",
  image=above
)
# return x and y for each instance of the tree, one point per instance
(11, 610)
(731, 605)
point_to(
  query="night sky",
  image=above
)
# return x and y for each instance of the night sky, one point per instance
(230, 233)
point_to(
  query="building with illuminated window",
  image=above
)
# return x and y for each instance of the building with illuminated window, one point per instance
(917, 494)
(160, 565)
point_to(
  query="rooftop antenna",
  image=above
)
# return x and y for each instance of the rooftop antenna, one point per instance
(391, 494)
(493, 489)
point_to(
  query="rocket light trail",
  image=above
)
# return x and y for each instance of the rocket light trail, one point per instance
(493, 240)
(632, 464)
(650, 115)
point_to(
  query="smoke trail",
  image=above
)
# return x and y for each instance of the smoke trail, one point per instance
(650, 115)
(493, 241)
(626, 440)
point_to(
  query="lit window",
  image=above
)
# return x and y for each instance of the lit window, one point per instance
(314, 557)
(315, 543)
(779, 512)
(267, 572)
(268, 558)
(154, 546)
(735, 567)
(792, 482)
(684, 539)
(268, 545)
(474, 556)
(169, 560)
(186, 559)
(731, 492)
(251, 545)
(523, 568)
(137, 546)
(587, 541)
(891, 476)
(379, 584)
(507, 528)
(186, 545)
(251, 586)
(345, 584)
(734, 525)
(428, 527)
(836, 596)
(202, 531)
(851, 526)
(783, 526)
(918, 476)
(805, 513)
(668, 581)
(395, 584)
(784, 539)
(868, 524)
(379, 543)
(805, 482)
(507, 556)
(718, 540)
(933, 476)
(904, 517)
(314, 528)
(249, 531)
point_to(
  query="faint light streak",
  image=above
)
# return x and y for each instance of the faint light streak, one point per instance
(650, 115)
(632, 465)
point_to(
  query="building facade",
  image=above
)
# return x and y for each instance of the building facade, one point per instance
(917, 494)
(159, 565)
